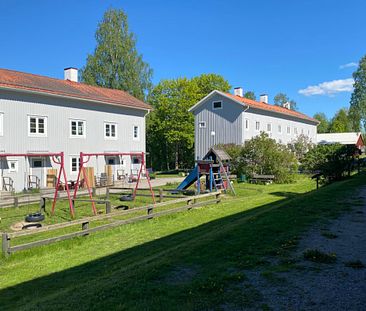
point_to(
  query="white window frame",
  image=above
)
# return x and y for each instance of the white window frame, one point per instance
(77, 164)
(269, 125)
(37, 134)
(16, 166)
(1, 123)
(84, 128)
(202, 124)
(259, 126)
(246, 124)
(213, 105)
(295, 130)
(280, 128)
(138, 132)
(288, 130)
(110, 124)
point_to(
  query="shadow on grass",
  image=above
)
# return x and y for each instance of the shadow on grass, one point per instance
(214, 254)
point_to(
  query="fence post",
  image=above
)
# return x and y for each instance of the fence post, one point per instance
(85, 226)
(160, 195)
(189, 202)
(218, 198)
(5, 240)
(42, 204)
(108, 207)
(16, 201)
(107, 193)
(150, 211)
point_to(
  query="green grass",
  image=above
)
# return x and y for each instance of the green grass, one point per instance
(193, 260)
(316, 255)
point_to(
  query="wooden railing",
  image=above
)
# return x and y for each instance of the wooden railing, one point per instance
(191, 202)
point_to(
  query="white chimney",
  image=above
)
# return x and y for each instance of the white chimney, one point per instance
(71, 74)
(238, 91)
(263, 98)
(287, 105)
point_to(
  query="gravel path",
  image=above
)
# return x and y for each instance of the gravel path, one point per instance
(320, 286)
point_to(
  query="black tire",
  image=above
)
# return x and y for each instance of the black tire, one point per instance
(30, 226)
(128, 197)
(34, 217)
(122, 207)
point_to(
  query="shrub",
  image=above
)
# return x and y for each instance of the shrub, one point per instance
(316, 255)
(262, 155)
(333, 161)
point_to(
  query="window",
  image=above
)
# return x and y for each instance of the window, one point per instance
(279, 128)
(1, 124)
(217, 105)
(295, 130)
(202, 124)
(288, 130)
(302, 131)
(269, 127)
(136, 132)
(246, 124)
(77, 128)
(257, 125)
(135, 160)
(110, 130)
(37, 126)
(75, 164)
(13, 166)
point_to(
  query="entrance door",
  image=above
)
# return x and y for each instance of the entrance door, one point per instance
(36, 178)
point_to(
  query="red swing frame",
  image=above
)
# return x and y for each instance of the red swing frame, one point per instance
(85, 158)
(61, 162)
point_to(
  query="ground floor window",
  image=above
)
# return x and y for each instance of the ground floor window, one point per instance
(75, 164)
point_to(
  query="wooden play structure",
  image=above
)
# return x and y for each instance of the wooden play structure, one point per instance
(86, 177)
(215, 167)
(57, 158)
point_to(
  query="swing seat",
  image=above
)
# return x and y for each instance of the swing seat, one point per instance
(34, 217)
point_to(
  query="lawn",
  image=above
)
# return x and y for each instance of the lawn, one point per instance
(193, 260)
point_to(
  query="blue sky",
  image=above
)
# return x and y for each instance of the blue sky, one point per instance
(307, 49)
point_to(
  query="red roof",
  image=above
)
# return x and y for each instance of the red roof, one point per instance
(29, 82)
(268, 107)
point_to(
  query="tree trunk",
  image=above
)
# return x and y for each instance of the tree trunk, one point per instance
(176, 157)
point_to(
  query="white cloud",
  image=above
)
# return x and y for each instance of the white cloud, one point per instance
(329, 87)
(352, 64)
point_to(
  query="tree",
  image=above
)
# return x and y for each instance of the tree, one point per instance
(281, 98)
(323, 126)
(170, 127)
(340, 122)
(206, 83)
(116, 63)
(358, 99)
(250, 95)
(300, 146)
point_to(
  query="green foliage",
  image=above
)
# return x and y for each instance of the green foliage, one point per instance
(358, 98)
(170, 127)
(281, 98)
(323, 127)
(116, 63)
(300, 146)
(340, 122)
(250, 95)
(333, 161)
(262, 155)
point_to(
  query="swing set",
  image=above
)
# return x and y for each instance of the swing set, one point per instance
(57, 158)
(85, 158)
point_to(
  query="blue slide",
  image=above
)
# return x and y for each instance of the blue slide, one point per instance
(189, 180)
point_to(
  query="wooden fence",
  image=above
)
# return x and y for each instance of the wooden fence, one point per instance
(191, 202)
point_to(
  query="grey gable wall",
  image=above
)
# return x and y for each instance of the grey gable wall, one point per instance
(225, 122)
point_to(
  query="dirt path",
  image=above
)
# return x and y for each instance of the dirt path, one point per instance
(339, 284)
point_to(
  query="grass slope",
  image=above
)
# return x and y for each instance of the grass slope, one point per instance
(188, 261)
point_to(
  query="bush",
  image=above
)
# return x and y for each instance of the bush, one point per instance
(333, 161)
(262, 155)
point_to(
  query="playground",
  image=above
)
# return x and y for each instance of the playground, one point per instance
(201, 255)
